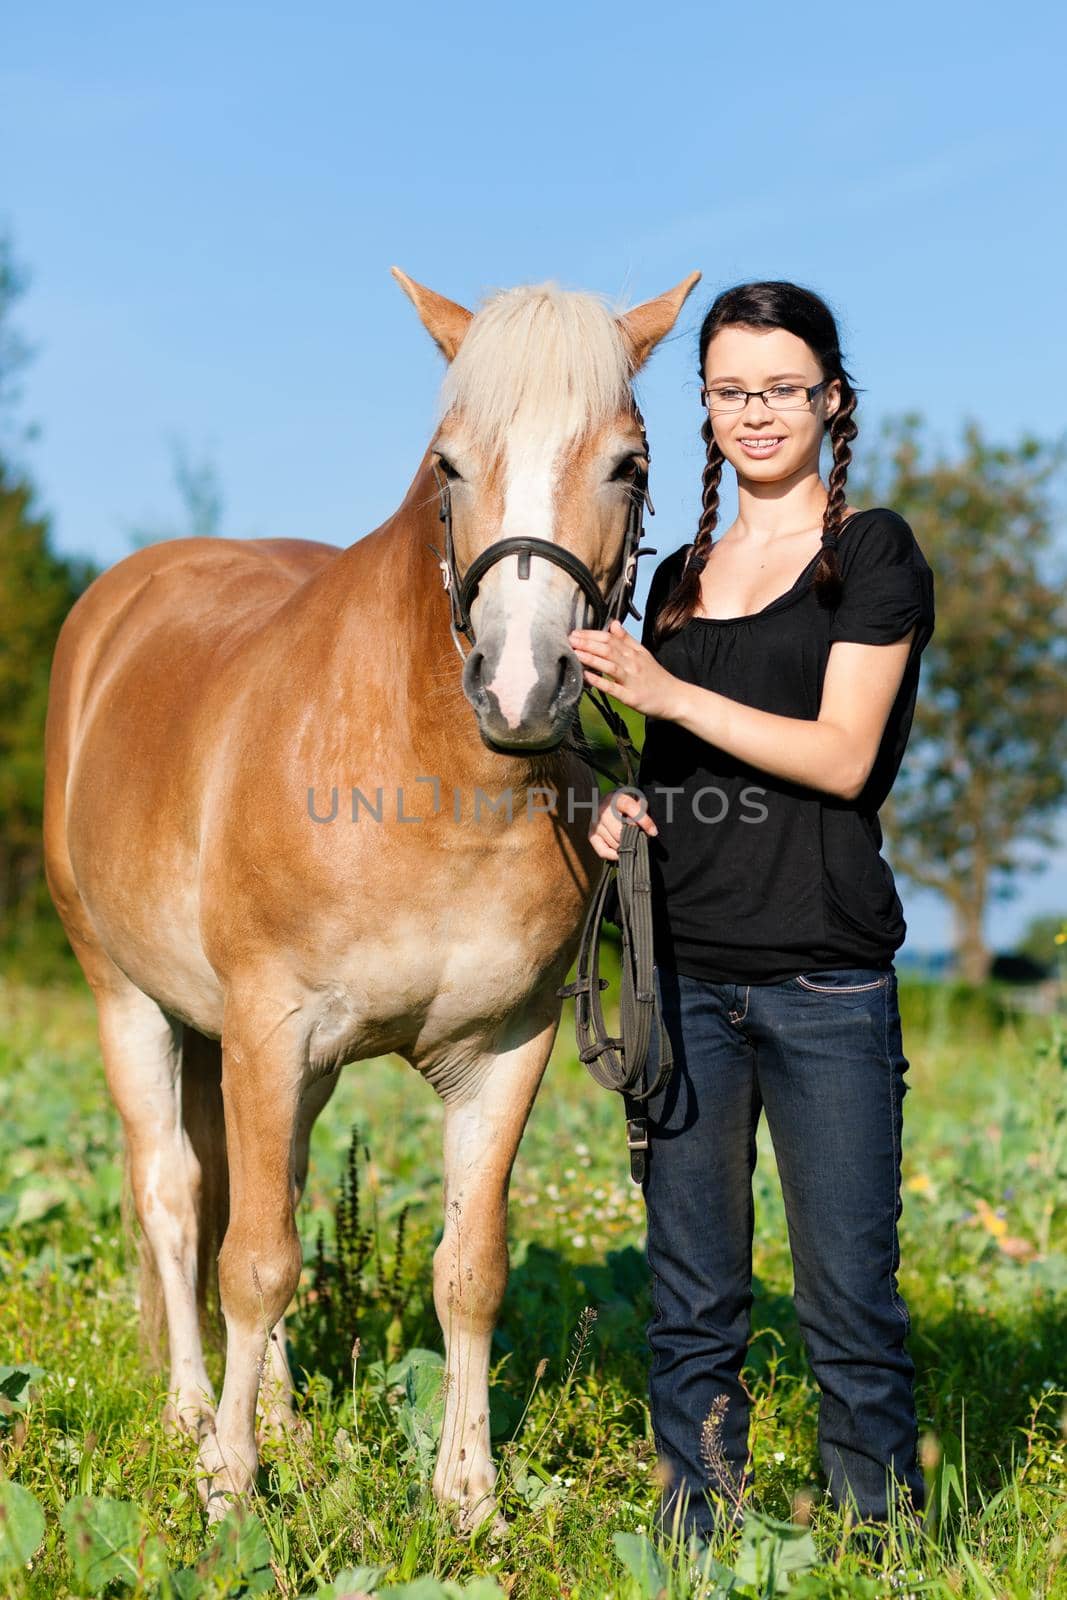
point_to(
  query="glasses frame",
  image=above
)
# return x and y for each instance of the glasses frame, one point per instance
(810, 391)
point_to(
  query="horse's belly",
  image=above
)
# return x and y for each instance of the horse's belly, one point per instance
(431, 986)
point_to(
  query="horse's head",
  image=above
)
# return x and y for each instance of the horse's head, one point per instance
(538, 438)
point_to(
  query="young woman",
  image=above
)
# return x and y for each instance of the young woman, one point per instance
(777, 671)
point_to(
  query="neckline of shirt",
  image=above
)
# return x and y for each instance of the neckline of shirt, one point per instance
(791, 594)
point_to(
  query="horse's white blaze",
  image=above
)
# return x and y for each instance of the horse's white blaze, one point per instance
(531, 475)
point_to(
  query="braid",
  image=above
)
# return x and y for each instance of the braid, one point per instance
(709, 502)
(827, 579)
(684, 597)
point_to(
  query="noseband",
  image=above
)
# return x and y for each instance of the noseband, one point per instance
(618, 602)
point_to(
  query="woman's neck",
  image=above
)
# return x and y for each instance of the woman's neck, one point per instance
(768, 511)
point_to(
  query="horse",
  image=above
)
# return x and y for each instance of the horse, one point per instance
(210, 701)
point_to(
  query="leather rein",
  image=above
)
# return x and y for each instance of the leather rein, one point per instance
(616, 1062)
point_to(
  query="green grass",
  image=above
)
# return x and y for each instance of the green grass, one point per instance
(984, 1272)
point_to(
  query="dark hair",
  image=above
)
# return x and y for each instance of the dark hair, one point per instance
(799, 311)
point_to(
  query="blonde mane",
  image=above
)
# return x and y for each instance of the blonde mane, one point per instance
(542, 358)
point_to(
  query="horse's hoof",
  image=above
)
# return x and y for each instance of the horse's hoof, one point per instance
(219, 1488)
(217, 1503)
(499, 1529)
(189, 1418)
(482, 1516)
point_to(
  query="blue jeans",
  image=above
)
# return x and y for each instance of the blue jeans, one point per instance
(823, 1053)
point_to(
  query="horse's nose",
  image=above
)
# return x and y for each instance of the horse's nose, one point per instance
(472, 676)
(568, 687)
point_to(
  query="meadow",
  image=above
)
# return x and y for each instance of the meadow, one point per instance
(95, 1499)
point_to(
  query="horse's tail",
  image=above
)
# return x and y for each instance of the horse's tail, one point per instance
(205, 1127)
(202, 1117)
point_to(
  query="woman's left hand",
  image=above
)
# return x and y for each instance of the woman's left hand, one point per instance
(614, 661)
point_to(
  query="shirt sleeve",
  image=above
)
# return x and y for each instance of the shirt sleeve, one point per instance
(887, 586)
(664, 579)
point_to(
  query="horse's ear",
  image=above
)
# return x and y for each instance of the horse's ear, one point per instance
(444, 320)
(645, 325)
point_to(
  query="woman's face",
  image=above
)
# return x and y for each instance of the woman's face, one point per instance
(762, 444)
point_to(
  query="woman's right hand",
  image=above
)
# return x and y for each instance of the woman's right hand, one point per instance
(606, 832)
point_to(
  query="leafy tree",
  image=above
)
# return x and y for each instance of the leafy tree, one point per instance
(37, 589)
(975, 804)
(1042, 938)
(14, 351)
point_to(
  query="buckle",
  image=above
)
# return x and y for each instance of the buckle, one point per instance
(637, 1133)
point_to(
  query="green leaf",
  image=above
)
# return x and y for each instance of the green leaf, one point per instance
(642, 1561)
(421, 1589)
(105, 1194)
(358, 1580)
(772, 1553)
(422, 1374)
(35, 1203)
(106, 1540)
(183, 1586)
(433, 1589)
(16, 1382)
(421, 1413)
(21, 1527)
(240, 1555)
(533, 1485)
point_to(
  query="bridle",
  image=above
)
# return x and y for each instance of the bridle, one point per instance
(617, 1063)
(617, 603)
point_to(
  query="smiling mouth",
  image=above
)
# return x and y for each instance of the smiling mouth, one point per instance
(763, 446)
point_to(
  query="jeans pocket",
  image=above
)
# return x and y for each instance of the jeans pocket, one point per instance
(843, 980)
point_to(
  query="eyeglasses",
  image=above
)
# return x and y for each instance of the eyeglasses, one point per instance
(782, 397)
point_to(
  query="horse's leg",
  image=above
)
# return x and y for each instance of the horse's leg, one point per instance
(276, 1396)
(141, 1047)
(264, 1056)
(482, 1134)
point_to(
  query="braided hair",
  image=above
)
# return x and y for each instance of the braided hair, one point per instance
(799, 311)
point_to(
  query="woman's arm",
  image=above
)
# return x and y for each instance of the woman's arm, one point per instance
(834, 753)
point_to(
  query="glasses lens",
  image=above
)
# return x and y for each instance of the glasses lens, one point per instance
(725, 398)
(786, 397)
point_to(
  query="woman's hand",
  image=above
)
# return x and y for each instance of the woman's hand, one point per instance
(615, 662)
(606, 832)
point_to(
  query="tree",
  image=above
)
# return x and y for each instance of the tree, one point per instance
(14, 351)
(1042, 938)
(975, 803)
(37, 589)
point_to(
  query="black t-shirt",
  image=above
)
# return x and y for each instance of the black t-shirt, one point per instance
(757, 878)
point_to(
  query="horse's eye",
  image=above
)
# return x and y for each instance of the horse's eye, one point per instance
(447, 468)
(627, 469)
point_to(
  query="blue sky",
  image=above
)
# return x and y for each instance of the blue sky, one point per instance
(209, 199)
